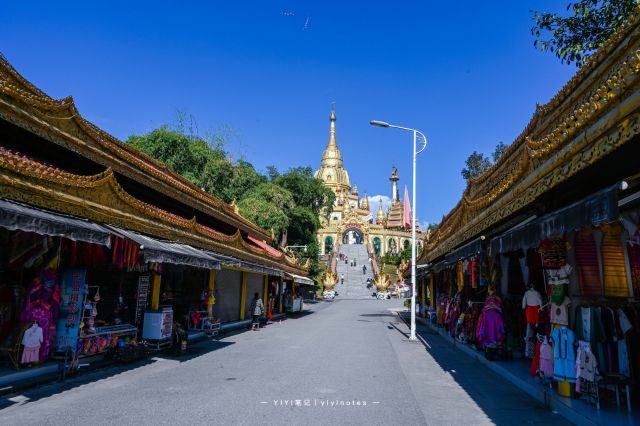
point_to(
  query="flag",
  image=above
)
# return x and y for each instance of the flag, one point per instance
(407, 209)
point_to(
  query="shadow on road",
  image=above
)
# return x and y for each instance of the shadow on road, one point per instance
(500, 400)
(102, 371)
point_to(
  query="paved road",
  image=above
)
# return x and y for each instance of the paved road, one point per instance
(349, 359)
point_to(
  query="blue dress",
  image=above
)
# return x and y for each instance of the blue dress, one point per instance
(564, 357)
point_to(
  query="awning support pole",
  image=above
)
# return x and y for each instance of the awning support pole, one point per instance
(211, 287)
(155, 291)
(243, 295)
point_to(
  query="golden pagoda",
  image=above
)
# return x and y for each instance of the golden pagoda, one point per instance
(331, 169)
(351, 215)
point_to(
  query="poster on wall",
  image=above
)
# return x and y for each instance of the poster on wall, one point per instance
(72, 291)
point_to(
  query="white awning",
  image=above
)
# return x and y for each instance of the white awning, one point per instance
(153, 250)
(16, 216)
(300, 279)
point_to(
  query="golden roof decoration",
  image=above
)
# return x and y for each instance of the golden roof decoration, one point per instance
(60, 122)
(554, 145)
(105, 201)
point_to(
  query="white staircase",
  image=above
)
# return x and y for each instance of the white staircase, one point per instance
(355, 282)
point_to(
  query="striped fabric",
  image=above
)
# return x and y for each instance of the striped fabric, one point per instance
(613, 261)
(587, 263)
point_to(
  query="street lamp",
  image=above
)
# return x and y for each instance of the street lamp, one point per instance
(418, 138)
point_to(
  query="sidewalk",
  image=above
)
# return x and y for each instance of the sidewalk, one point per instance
(517, 372)
(12, 381)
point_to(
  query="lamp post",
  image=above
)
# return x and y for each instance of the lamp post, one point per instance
(418, 139)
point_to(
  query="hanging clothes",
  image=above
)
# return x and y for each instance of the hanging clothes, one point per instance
(473, 269)
(545, 369)
(490, 328)
(564, 361)
(515, 284)
(613, 261)
(554, 251)
(536, 273)
(558, 280)
(560, 312)
(587, 263)
(588, 327)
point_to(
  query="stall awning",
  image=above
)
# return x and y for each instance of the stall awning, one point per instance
(590, 211)
(15, 216)
(241, 264)
(153, 250)
(300, 279)
(470, 249)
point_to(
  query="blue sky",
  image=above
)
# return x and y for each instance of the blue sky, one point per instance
(467, 76)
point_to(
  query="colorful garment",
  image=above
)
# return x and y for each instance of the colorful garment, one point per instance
(554, 251)
(564, 361)
(613, 261)
(560, 312)
(42, 305)
(545, 369)
(490, 329)
(587, 263)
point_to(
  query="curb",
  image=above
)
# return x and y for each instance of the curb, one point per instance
(539, 393)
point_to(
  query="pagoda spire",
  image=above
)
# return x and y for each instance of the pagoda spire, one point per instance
(332, 170)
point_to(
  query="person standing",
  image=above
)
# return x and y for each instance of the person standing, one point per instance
(364, 269)
(257, 308)
(341, 279)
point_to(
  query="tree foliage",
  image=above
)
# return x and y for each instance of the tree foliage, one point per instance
(497, 153)
(477, 163)
(575, 37)
(288, 202)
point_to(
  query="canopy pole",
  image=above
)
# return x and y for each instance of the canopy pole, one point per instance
(243, 295)
(155, 291)
(211, 297)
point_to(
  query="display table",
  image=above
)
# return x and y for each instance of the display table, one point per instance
(104, 339)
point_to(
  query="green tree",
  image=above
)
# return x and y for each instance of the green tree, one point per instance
(243, 179)
(264, 214)
(497, 153)
(306, 189)
(477, 164)
(575, 37)
(187, 156)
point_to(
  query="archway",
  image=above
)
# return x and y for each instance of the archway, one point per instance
(328, 245)
(352, 236)
(377, 244)
(406, 244)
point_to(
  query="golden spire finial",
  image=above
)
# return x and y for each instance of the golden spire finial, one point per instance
(380, 214)
(365, 202)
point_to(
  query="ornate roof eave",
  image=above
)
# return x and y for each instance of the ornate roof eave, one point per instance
(100, 198)
(60, 122)
(563, 138)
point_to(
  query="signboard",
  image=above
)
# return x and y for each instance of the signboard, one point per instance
(72, 296)
(144, 281)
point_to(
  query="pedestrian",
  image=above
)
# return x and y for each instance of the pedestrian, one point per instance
(364, 269)
(341, 278)
(257, 309)
(354, 262)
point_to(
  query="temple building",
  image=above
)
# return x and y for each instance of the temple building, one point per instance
(351, 220)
